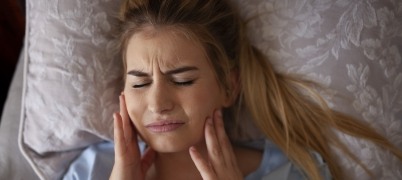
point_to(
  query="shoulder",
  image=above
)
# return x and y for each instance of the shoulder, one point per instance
(248, 159)
(275, 165)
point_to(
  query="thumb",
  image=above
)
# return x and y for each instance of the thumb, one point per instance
(147, 160)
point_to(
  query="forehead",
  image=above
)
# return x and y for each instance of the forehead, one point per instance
(166, 47)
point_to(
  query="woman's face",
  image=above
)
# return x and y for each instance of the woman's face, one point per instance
(170, 89)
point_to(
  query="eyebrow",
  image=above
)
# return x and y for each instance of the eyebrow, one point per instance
(170, 72)
(138, 73)
(181, 70)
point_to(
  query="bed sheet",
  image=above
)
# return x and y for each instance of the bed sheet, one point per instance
(13, 165)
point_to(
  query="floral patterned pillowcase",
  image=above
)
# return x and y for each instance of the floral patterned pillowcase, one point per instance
(71, 81)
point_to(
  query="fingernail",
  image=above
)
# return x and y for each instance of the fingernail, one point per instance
(219, 113)
(114, 118)
(192, 148)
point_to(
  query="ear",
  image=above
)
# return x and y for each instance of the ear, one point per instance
(234, 88)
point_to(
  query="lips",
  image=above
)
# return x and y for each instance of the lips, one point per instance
(164, 126)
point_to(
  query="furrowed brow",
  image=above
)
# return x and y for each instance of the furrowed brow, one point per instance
(138, 73)
(181, 70)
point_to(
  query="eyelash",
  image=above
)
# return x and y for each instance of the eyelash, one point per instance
(140, 85)
(184, 83)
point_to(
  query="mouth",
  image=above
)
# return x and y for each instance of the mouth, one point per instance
(164, 126)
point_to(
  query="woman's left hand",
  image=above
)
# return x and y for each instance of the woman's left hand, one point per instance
(221, 163)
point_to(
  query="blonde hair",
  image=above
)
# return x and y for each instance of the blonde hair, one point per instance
(286, 109)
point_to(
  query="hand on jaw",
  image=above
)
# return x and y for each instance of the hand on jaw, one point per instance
(221, 162)
(128, 161)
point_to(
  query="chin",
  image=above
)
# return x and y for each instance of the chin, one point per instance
(170, 148)
(172, 144)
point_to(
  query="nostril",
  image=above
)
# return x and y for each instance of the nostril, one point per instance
(160, 109)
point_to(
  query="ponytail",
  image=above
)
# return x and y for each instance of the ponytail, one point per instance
(296, 118)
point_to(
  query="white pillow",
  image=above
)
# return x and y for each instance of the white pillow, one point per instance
(72, 81)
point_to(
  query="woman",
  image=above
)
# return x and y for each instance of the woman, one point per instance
(184, 62)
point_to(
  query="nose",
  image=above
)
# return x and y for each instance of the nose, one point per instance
(160, 98)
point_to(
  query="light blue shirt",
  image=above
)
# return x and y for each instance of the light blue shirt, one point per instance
(96, 162)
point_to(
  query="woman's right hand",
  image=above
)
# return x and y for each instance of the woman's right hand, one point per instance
(128, 163)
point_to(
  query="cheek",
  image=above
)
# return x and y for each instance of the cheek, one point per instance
(134, 108)
(203, 101)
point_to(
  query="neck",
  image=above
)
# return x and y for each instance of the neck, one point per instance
(180, 166)
(176, 165)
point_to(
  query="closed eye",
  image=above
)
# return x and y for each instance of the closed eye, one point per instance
(184, 83)
(141, 85)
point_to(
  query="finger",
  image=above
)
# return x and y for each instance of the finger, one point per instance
(213, 146)
(223, 139)
(147, 160)
(123, 107)
(120, 142)
(127, 127)
(203, 167)
(130, 133)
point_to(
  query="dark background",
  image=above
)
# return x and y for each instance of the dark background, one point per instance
(12, 29)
